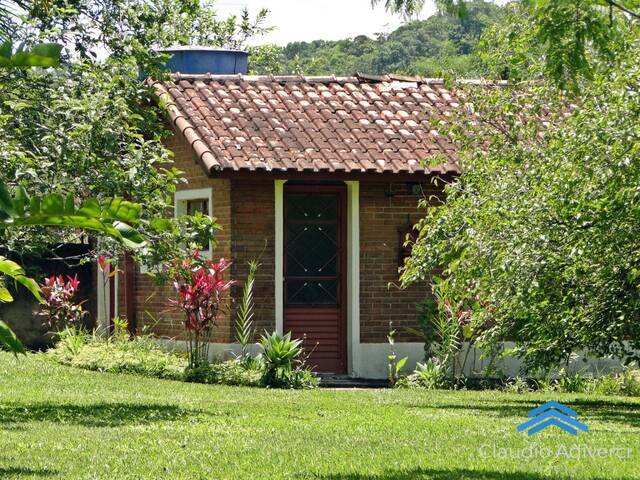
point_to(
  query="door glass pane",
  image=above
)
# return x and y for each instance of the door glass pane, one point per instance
(312, 249)
(319, 292)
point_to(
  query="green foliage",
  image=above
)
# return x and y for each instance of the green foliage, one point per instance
(10, 269)
(71, 340)
(395, 366)
(540, 229)
(575, 382)
(139, 355)
(430, 375)
(114, 217)
(231, 372)
(283, 363)
(9, 340)
(41, 55)
(440, 45)
(245, 332)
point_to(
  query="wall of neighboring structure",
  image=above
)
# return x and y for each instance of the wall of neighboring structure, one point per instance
(384, 209)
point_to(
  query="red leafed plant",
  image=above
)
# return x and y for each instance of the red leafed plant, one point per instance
(202, 289)
(58, 294)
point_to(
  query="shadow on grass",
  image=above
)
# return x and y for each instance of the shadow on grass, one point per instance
(94, 414)
(454, 474)
(615, 411)
(20, 471)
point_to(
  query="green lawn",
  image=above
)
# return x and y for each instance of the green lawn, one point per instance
(58, 422)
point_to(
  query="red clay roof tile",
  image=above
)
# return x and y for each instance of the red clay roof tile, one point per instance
(293, 123)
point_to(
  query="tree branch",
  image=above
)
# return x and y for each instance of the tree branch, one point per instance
(623, 8)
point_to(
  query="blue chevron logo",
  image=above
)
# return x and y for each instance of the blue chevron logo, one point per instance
(552, 414)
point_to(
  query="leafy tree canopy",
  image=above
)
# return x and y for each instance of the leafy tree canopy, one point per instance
(90, 128)
(441, 44)
(538, 235)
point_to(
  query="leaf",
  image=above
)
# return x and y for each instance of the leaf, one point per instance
(6, 48)
(90, 208)
(34, 205)
(52, 204)
(20, 200)
(401, 363)
(69, 205)
(162, 224)
(9, 339)
(42, 55)
(10, 268)
(31, 285)
(6, 204)
(5, 295)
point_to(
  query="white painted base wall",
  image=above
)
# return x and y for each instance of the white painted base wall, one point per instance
(373, 362)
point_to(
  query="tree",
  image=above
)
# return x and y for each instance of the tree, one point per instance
(91, 128)
(538, 233)
(442, 44)
(570, 31)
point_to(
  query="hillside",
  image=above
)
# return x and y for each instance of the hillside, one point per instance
(431, 47)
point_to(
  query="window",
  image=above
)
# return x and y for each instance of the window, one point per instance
(201, 205)
(192, 202)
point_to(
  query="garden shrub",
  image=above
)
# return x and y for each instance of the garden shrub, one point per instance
(284, 363)
(430, 375)
(139, 355)
(231, 372)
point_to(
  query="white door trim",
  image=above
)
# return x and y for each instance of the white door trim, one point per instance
(353, 277)
(279, 254)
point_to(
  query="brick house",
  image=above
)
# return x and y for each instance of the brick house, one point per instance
(320, 178)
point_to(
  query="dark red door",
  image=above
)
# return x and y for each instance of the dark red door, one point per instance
(314, 273)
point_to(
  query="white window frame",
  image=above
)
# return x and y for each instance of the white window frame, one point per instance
(180, 199)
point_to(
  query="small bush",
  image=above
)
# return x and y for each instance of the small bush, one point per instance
(139, 355)
(607, 385)
(573, 383)
(430, 375)
(517, 385)
(284, 363)
(232, 372)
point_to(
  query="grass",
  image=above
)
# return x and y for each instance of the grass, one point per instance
(61, 422)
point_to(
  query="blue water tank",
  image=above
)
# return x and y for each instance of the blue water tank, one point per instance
(198, 60)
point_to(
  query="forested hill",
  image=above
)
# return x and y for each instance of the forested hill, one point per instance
(442, 43)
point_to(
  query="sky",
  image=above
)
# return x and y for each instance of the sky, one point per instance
(306, 20)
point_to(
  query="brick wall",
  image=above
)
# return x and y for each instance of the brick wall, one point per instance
(384, 208)
(153, 309)
(245, 209)
(253, 221)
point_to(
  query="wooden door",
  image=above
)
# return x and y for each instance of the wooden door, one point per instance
(315, 273)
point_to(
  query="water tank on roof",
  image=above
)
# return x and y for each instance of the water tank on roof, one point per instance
(198, 60)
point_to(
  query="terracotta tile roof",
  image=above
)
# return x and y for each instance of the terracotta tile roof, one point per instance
(322, 124)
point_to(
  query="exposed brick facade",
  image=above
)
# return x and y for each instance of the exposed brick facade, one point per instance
(245, 210)
(384, 209)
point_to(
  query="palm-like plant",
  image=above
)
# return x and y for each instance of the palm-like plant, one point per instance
(280, 353)
(244, 317)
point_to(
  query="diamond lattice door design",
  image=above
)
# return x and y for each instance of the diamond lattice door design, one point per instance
(314, 290)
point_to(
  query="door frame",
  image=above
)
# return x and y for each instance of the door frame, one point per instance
(341, 192)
